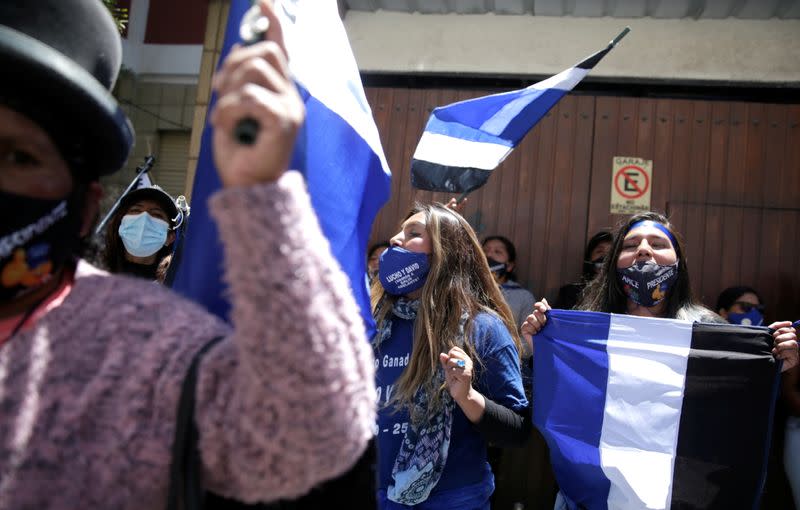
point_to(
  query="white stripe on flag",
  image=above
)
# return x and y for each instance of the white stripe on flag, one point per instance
(449, 151)
(315, 59)
(565, 80)
(144, 181)
(646, 374)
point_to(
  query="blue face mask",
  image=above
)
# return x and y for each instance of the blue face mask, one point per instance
(402, 271)
(751, 318)
(142, 234)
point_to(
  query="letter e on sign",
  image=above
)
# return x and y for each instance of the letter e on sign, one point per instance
(631, 183)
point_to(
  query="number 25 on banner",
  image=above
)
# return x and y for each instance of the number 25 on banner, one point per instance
(631, 181)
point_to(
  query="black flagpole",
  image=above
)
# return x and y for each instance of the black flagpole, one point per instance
(140, 171)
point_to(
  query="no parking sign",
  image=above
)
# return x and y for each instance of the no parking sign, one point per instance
(631, 182)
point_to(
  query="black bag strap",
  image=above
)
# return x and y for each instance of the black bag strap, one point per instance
(185, 477)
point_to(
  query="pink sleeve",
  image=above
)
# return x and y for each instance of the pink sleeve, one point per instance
(290, 402)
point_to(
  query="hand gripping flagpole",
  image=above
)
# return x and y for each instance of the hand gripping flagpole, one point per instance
(140, 171)
(253, 27)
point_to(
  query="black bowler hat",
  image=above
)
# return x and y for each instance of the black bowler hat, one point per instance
(59, 60)
(157, 195)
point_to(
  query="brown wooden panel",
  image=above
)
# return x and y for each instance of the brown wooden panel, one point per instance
(716, 166)
(750, 252)
(606, 138)
(727, 174)
(663, 152)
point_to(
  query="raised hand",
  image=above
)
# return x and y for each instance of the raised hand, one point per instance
(785, 337)
(254, 82)
(458, 372)
(535, 321)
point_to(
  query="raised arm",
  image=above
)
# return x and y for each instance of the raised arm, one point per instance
(290, 401)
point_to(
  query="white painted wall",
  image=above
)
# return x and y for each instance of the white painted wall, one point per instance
(168, 63)
(678, 50)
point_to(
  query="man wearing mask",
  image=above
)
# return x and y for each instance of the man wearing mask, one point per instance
(501, 254)
(741, 305)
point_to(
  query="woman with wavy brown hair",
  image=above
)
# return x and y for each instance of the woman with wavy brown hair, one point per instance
(448, 366)
(646, 275)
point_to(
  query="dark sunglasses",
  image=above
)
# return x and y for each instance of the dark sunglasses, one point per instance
(749, 306)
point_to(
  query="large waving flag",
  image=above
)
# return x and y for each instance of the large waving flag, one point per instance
(338, 151)
(463, 142)
(654, 413)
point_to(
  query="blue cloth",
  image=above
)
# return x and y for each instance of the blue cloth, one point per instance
(498, 379)
(338, 151)
(630, 406)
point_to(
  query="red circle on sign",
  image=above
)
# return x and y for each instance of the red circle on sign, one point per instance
(639, 190)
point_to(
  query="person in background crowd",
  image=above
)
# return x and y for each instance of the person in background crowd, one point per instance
(593, 257)
(501, 254)
(741, 305)
(448, 366)
(92, 364)
(645, 249)
(374, 257)
(791, 448)
(140, 234)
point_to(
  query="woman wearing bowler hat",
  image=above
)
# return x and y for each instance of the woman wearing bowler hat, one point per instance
(91, 364)
(140, 234)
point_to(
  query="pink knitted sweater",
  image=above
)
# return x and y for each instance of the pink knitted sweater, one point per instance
(88, 396)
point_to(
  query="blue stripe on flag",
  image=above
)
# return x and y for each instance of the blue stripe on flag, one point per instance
(474, 112)
(571, 349)
(345, 178)
(515, 124)
(461, 131)
(198, 274)
(344, 199)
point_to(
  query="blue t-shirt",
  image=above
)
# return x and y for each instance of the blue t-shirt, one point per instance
(498, 379)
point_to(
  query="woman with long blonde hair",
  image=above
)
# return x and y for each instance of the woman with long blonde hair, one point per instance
(448, 366)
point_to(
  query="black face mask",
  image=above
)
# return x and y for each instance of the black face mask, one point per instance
(37, 238)
(500, 269)
(647, 283)
(593, 267)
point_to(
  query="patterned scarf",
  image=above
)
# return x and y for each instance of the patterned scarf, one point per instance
(423, 452)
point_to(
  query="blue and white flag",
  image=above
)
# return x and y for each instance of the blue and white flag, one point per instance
(463, 142)
(144, 181)
(338, 150)
(654, 413)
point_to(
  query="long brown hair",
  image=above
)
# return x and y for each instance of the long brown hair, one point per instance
(606, 294)
(459, 280)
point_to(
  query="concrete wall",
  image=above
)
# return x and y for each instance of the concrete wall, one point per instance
(212, 47)
(678, 50)
(152, 107)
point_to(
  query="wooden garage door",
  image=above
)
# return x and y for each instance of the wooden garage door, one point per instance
(172, 159)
